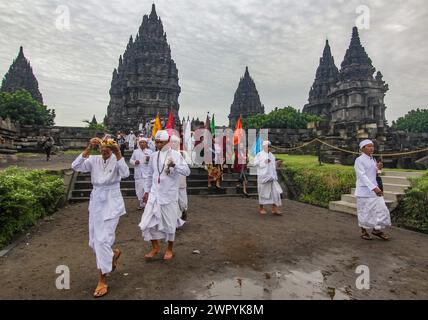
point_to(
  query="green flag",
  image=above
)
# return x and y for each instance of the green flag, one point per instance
(212, 126)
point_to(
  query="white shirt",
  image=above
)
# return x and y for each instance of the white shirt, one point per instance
(106, 199)
(165, 186)
(103, 173)
(366, 171)
(266, 172)
(142, 170)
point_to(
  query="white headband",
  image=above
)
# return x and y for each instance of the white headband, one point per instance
(365, 143)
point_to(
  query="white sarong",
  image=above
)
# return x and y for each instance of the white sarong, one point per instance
(373, 213)
(270, 193)
(160, 221)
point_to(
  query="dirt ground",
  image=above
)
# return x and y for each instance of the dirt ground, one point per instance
(308, 253)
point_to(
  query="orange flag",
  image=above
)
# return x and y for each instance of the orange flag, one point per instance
(157, 126)
(238, 131)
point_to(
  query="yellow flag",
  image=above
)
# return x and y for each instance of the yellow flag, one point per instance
(157, 126)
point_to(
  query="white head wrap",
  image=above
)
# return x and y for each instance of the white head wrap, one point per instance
(142, 139)
(364, 143)
(266, 143)
(162, 135)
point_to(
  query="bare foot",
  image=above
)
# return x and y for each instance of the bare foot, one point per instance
(168, 255)
(152, 253)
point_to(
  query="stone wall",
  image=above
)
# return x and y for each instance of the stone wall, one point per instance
(8, 134)
(66, 138)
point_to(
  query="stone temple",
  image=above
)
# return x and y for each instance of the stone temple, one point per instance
(21, 76)
(146, 80)
(246, 101)
(351, 96)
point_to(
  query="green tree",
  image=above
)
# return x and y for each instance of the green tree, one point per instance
(97, 127)
(287, 117)
(413, 121)
(20, 107)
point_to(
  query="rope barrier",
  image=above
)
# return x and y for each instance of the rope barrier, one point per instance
(348, 151)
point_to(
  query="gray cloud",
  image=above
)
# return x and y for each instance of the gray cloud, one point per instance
(212, 42)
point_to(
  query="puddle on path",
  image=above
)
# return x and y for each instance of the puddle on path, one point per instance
(274, 286)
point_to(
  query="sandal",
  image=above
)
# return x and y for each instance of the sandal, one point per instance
(365, 235)
(116, 256)
(381, 235)
(262, 212)
(168, 255)
(101, 290)
(151, 254)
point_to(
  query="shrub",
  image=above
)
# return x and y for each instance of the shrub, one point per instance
(412, 210)
(26, 196)
(317, 185)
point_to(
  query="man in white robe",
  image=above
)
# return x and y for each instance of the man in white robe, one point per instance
(160, 219)
(182, 190)
(268, 188)
(131, 139)
(106, 204)
(142, 172)
(371, 208)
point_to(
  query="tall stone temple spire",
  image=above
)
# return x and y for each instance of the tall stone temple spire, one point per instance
(146, 80)
(326, 76)
(246, 101)
(358, 96)
(21, 76)
(356, 65)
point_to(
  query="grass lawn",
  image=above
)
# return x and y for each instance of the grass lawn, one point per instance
(312, 161)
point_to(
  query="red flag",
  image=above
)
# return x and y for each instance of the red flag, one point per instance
(170, 123)
(238, 131)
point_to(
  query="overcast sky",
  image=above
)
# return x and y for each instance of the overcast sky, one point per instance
(212, 41)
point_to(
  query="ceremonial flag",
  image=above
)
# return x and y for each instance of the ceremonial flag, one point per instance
(238, 131)
(212, 126)
(157, 126)
(170, 123)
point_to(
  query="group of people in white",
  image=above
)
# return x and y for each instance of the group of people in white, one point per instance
(160, 183)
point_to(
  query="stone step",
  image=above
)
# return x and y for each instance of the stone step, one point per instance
(396, 180)
(353, 199)
(392, 187)
(130, 192)
(224, 183)
(404, 174)
(388, 195)
(130, 184)
(343, 206)
(193, 177)
(236, 195)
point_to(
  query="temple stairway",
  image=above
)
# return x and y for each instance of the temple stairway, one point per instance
(81, 186)
(394, 182)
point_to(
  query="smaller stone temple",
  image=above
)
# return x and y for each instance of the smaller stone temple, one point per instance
(326, 77)
(246, 101)
(21, 76)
